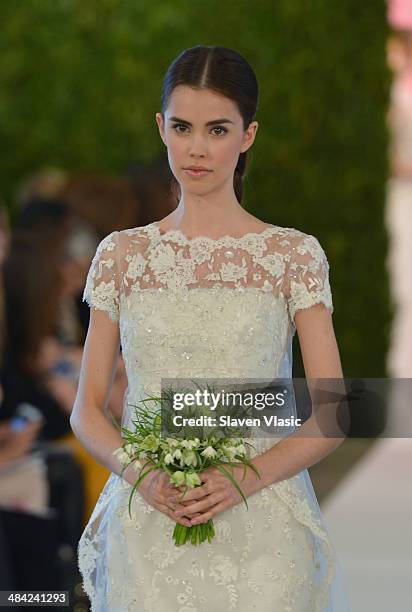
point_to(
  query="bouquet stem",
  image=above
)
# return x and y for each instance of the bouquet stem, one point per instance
(196, 534)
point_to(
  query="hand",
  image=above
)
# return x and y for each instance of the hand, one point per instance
(216, 494)
(16, 444)
(156, 489)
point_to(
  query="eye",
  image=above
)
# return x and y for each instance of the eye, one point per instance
(220, 127)
(176, 127)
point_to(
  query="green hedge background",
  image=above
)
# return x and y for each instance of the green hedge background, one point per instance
(80, 86)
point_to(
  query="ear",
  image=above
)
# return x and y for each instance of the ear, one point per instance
(160, 123)
(249, 136)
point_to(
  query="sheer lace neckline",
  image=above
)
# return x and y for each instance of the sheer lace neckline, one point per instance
(177, 234)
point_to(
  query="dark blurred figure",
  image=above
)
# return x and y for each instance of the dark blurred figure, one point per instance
(42, 497)
(45, 184)
(27, 531)
(105, 203)
(156, 189)
(32, 284)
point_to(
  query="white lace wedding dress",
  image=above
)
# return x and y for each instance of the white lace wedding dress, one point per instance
(219, 308)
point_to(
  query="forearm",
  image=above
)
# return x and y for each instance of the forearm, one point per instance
(99, 437)
(290, 456)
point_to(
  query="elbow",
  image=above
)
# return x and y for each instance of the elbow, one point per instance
(74, 421)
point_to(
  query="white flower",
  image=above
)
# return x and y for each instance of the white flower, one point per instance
(190, 458)
(209, 452)
(172, 442)
(240, 449)
(230, 451)
(122, 456)
(192, 479)
(177, 453)
(190, 443)
(168, 458)
(178, 478)
(150, 443)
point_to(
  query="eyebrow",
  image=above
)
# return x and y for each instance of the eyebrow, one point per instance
(214, 122)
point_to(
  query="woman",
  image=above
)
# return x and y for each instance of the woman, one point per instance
(209, 291)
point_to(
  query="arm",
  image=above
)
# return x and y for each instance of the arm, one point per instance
(99, 362)
(88, 420)
(309, 300)
(321, 360)
(101, 353)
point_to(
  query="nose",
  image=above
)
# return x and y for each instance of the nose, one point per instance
(197, 146)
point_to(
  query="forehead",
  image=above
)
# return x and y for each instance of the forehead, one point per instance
(200, 105)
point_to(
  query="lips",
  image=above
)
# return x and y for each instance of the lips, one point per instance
(197, 171)
(197, 168)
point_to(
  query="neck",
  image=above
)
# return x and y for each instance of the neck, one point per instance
(208, 214)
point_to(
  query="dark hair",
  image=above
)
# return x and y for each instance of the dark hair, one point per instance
(32, 286)
(224, 71)
(39, 212)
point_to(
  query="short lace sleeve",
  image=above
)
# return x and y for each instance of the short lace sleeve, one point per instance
(102, 290)
(307, 275)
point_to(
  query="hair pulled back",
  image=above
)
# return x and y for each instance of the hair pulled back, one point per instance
(224, 71)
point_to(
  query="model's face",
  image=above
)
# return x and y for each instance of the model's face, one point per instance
(203, 128)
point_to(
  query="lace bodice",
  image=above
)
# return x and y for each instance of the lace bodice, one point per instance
(202, 307)
(283, 262)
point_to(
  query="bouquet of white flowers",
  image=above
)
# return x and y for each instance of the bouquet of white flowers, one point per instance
(182, 459)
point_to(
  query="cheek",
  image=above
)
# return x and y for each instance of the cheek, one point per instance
(176, 152)
(226, 154)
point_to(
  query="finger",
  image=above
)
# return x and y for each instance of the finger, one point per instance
(183, 506)
(196, 493)
(208, 515)
(167, 500)
(178, 519)
(201, 506)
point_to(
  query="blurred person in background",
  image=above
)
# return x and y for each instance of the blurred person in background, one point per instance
(398, 212)
(155, 188)
(49, 254)
(32, 290)
(103, 202)
(28, 541)
(80, 245)
(45, 273)
(44, 184)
